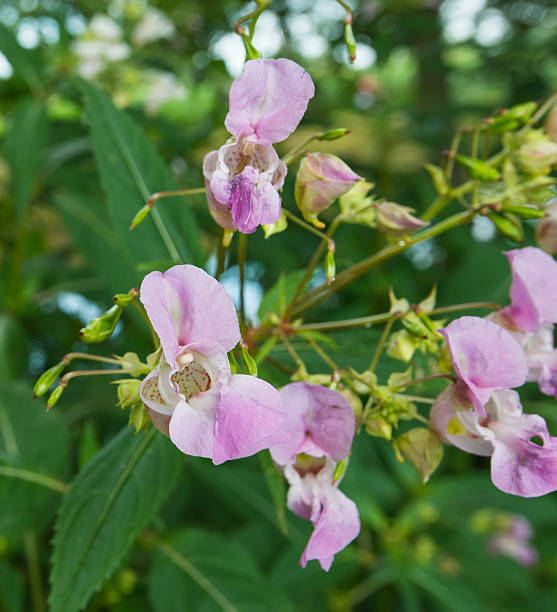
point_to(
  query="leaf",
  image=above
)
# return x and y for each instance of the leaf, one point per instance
(109, 503)
(131, 171)
(201, 571)
(23, 148)
(11, 589)
(24, 61)
(32, 442)
(280, 294)
(277, 487)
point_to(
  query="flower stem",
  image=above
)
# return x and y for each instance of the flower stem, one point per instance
(292, 351)
(34, 569)
(174, 192)
(67, 377)
(324, 291)
(381, 343)
(311, 229)
(321, 353)
(292, 155)
(242, 248)
(418, 381)
(36, 477)
(70, 356)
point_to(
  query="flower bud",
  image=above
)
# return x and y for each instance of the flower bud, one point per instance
(396, 220)
(55, 396)
(356, 206)
(478, 169)
(131, 363)
(422, 448)
(321, 179)
(125, 299)
(538, 153)
(45, 380)
(508, 227)
(334, 134)
(378, 426)
(524, 212)
(140, 216)
(99, 329)
(248, 363)
(128, 391)
(330, 266)
(512, 118)
(546, 232)
(139, 417)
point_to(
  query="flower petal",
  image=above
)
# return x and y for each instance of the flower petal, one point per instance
(268, 99)
(337, 525)
(485, 356)
(533, 289)
(248, 412)
(190, 309)
(192, 426)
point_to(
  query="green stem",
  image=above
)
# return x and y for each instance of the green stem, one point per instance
(416, 398)
(67, 377)
(423, 379)
(36, 477)
(324, 291)
(70, 356)
(174, 192)
(34, 568)
(292, 351)
(254, 16)
(145, 317)
(321, 353)
(292, 155)
(242, 248)
(381, 343)
(311, 228)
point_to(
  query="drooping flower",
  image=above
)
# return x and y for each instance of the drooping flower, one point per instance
(317, 433)
(485, 357)
(243, 177)
(519, 465)
(532, 313)
(191, 395)
(396, 220)
(321, 179)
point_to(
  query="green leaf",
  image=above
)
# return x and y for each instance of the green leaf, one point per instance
(107, 506)
(24, 61)
(11, 589)
(202, 571)
(32, 444)
(23, 148)
(280, 294)
(277, 487)
(131, 171)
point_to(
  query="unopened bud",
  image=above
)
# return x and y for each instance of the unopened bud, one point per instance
(340, 469)
(321, 179)
(513, 117)
(139, 417)
(251, 51)
(422, 448)
(478, 169)
(508, 227)
(99, 329)
(357, 206)
(546, 232)
(378, 426)
(439, 178)
(538, 153)
(350, 41)
(45, 380)
(396, 220)
(125, 299)
(128, 391)
(248, 363)
(524, 212)
(55, 396)
(140, 216)
(330, 266)
(334, 134)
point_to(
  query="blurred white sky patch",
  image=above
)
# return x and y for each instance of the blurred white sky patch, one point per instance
(6, 69)
(28, 33)
(459, 18)
(483, 229)
(230, 49)
(492, 28)
(305, 37)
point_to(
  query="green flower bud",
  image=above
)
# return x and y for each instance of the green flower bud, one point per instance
(330, 266)
(511, 229)
(524, 212)
(422, 448)
(334, 134)
(101, 328)
(379, 427)
(45, 380)
(140, 216)
(340, 469)
(478, 169)
(125, 299)
(402, 345)
(350, 41)
(537, 154)
(439, 179)
(356, 206)
(55, 396)
(512, 118)
(248, 363)
(132, 364)
(139, 417)
(128, 391)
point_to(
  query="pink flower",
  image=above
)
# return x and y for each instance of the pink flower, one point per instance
(243, 177)
(317, 432)
(519, 465)
(485, 357)
(191, 395)
(514, 541)
(532, 313)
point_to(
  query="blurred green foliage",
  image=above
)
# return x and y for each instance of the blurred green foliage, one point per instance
(424, 69)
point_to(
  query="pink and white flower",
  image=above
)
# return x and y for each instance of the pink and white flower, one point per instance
(519, 465)
(485, 357)
(533, 312)
(243, 177)
(191, 395)
(317, 433)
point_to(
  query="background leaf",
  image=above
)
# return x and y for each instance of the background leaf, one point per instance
(109, 503)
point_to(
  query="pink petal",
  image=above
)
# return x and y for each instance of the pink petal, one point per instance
(248, 412)
(192, 426)
(533, 289)
(190, 309)
(337, 525)
(151, 396)
(485, 356)
(219, 211)
(268, 99)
